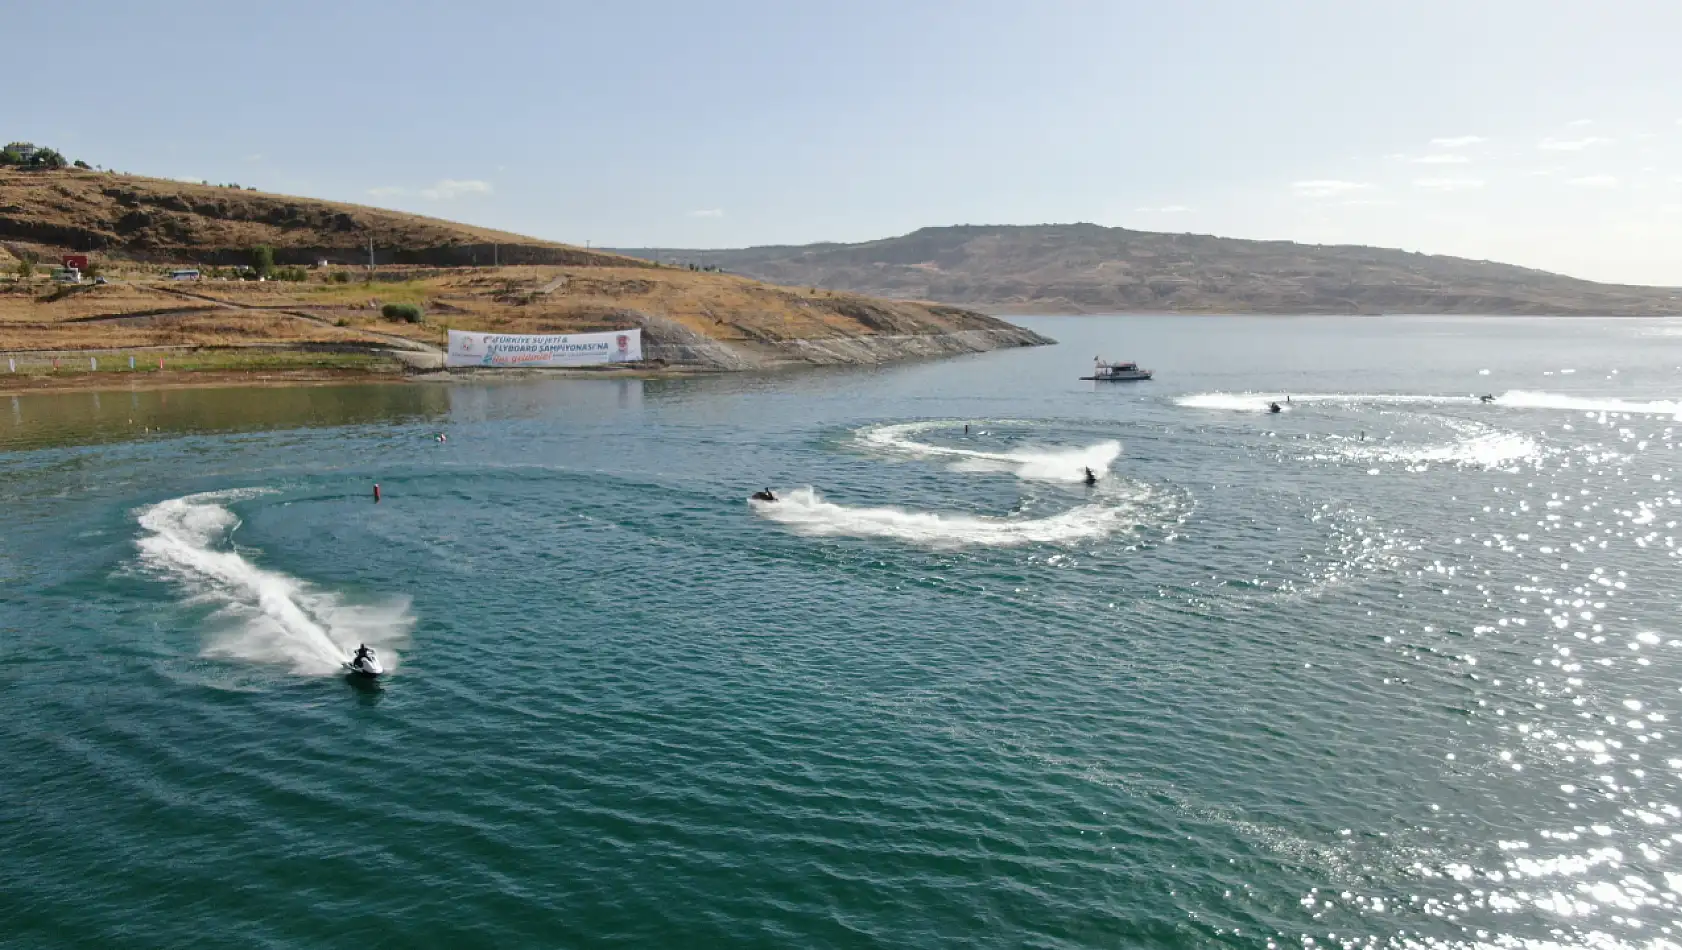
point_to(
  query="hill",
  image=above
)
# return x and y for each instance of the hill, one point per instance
(165, 221)
(1084, 268)
(331, 316)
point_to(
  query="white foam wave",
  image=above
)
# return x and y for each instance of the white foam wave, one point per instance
(1512, 399)
(807, 513)
(1028, 463)
(1488, 450)
(1526, 399)
(1259, 402)
(262, 615)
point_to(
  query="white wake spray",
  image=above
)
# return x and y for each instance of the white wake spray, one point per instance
(1512, 399)
(1033, 464)
(806, 512)
(1260, 402)
(263, 616)
(1525, 399)
(1475, 446)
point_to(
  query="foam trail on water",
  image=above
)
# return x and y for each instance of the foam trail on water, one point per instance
(1258, 402)
(1512, 399)
(1033, 464)
(1525, 399)
(264, 616)
(1478, 446)
(806, 512)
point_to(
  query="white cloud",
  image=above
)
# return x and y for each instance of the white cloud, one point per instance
(1594, 181)
(707, 213)
(1579, 123)
(1572, 145)
(1326, 188)
(1165, 209)
(387, 191)
(1457, 141)
(1440, 158)
(447, 188)
(254, 157)
(1448, 184)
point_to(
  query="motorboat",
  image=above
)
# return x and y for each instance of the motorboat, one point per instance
(365, 663)
(1105, 372)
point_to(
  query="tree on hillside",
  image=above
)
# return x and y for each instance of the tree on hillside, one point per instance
(26, 269)
(29, 155)
(262, 260)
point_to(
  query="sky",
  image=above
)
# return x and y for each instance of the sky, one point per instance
(1546, 133)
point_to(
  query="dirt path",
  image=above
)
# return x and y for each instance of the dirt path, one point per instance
(399, 342)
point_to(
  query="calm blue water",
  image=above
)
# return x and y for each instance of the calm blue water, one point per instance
(1391, 668)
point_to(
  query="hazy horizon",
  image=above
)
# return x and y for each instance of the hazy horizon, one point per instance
(1546, 137)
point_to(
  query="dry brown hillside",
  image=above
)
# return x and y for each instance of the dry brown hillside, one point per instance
(154, 219)
(132, 225)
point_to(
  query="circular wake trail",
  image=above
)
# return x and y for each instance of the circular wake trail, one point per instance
(1031, 464)
(807, 513)
(264, 615)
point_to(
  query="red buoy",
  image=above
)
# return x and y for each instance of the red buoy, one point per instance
(376, 493)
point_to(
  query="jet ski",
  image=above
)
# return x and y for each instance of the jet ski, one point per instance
(365, 663)
(765, 495)
(1274, 407)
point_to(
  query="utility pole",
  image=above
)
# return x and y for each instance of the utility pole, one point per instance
(495, 260)
(370, 257)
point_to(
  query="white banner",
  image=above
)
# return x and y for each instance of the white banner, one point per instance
(521, 349)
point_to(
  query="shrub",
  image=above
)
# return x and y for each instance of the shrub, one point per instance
(262, 260)
(339, 277)
(406, 312)
(295, 274)
(26, 268)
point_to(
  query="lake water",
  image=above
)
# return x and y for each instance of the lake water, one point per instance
(1391, 668)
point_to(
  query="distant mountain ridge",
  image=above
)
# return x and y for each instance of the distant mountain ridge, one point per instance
(1085, 268)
